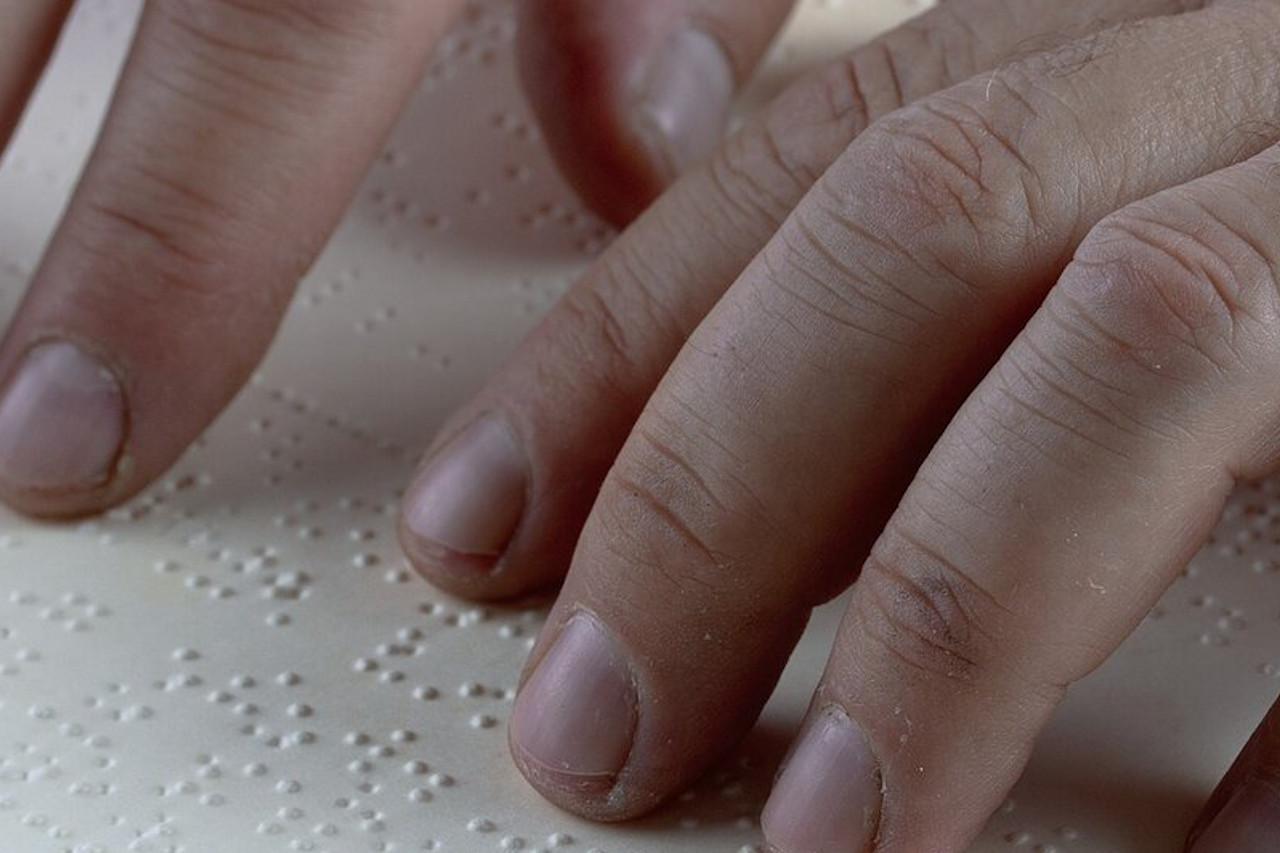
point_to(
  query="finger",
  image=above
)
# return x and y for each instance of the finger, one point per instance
(630, 93)
(1243, 814)
(498, 516)
(28, 31)
(238, 133)
(783, 433)
(1069, 491)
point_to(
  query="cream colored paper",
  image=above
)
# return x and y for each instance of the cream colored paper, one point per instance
(240, 661)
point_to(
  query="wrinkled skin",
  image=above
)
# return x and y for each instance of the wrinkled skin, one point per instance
(981, 319)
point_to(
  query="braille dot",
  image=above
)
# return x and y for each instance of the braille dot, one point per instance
(302, 476)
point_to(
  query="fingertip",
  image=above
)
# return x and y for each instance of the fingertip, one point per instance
(584, 796)
(683, 102)
(628, 95)
(64, 506)
(467, 576)
(474, 577)
(599, 798)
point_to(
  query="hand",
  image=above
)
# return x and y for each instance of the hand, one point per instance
(1005, 345)
(238, 133)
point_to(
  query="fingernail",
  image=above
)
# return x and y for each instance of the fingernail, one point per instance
(827, 799)
(685, 95)
(469, 498)
(574, 720)
(62, 420)
(1248, 823)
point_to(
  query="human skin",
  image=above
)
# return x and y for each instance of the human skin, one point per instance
(982, 319)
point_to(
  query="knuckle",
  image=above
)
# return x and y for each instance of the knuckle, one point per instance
(219, 54)
(599, 335)
(115, 226)
(671, 515)
(874, 77)
(163, 245)
(778, 156)
(1174, 275)
(927, 614)
(144, 208)
(283, 20)
(783, 153)
(758, 175)
(616, 315)
(953, 165)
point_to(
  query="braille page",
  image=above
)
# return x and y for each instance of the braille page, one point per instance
(239, 660)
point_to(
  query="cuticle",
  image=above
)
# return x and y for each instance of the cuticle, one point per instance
(834, 708)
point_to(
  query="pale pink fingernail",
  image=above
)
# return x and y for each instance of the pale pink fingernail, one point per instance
(827, 799)
(575, 718)
(685, 94)
(62, 420)
(1248, 823)
(470, 497)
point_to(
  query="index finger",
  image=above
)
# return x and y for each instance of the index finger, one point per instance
(236, 137)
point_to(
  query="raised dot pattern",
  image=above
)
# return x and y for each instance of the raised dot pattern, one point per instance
(239, 659)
